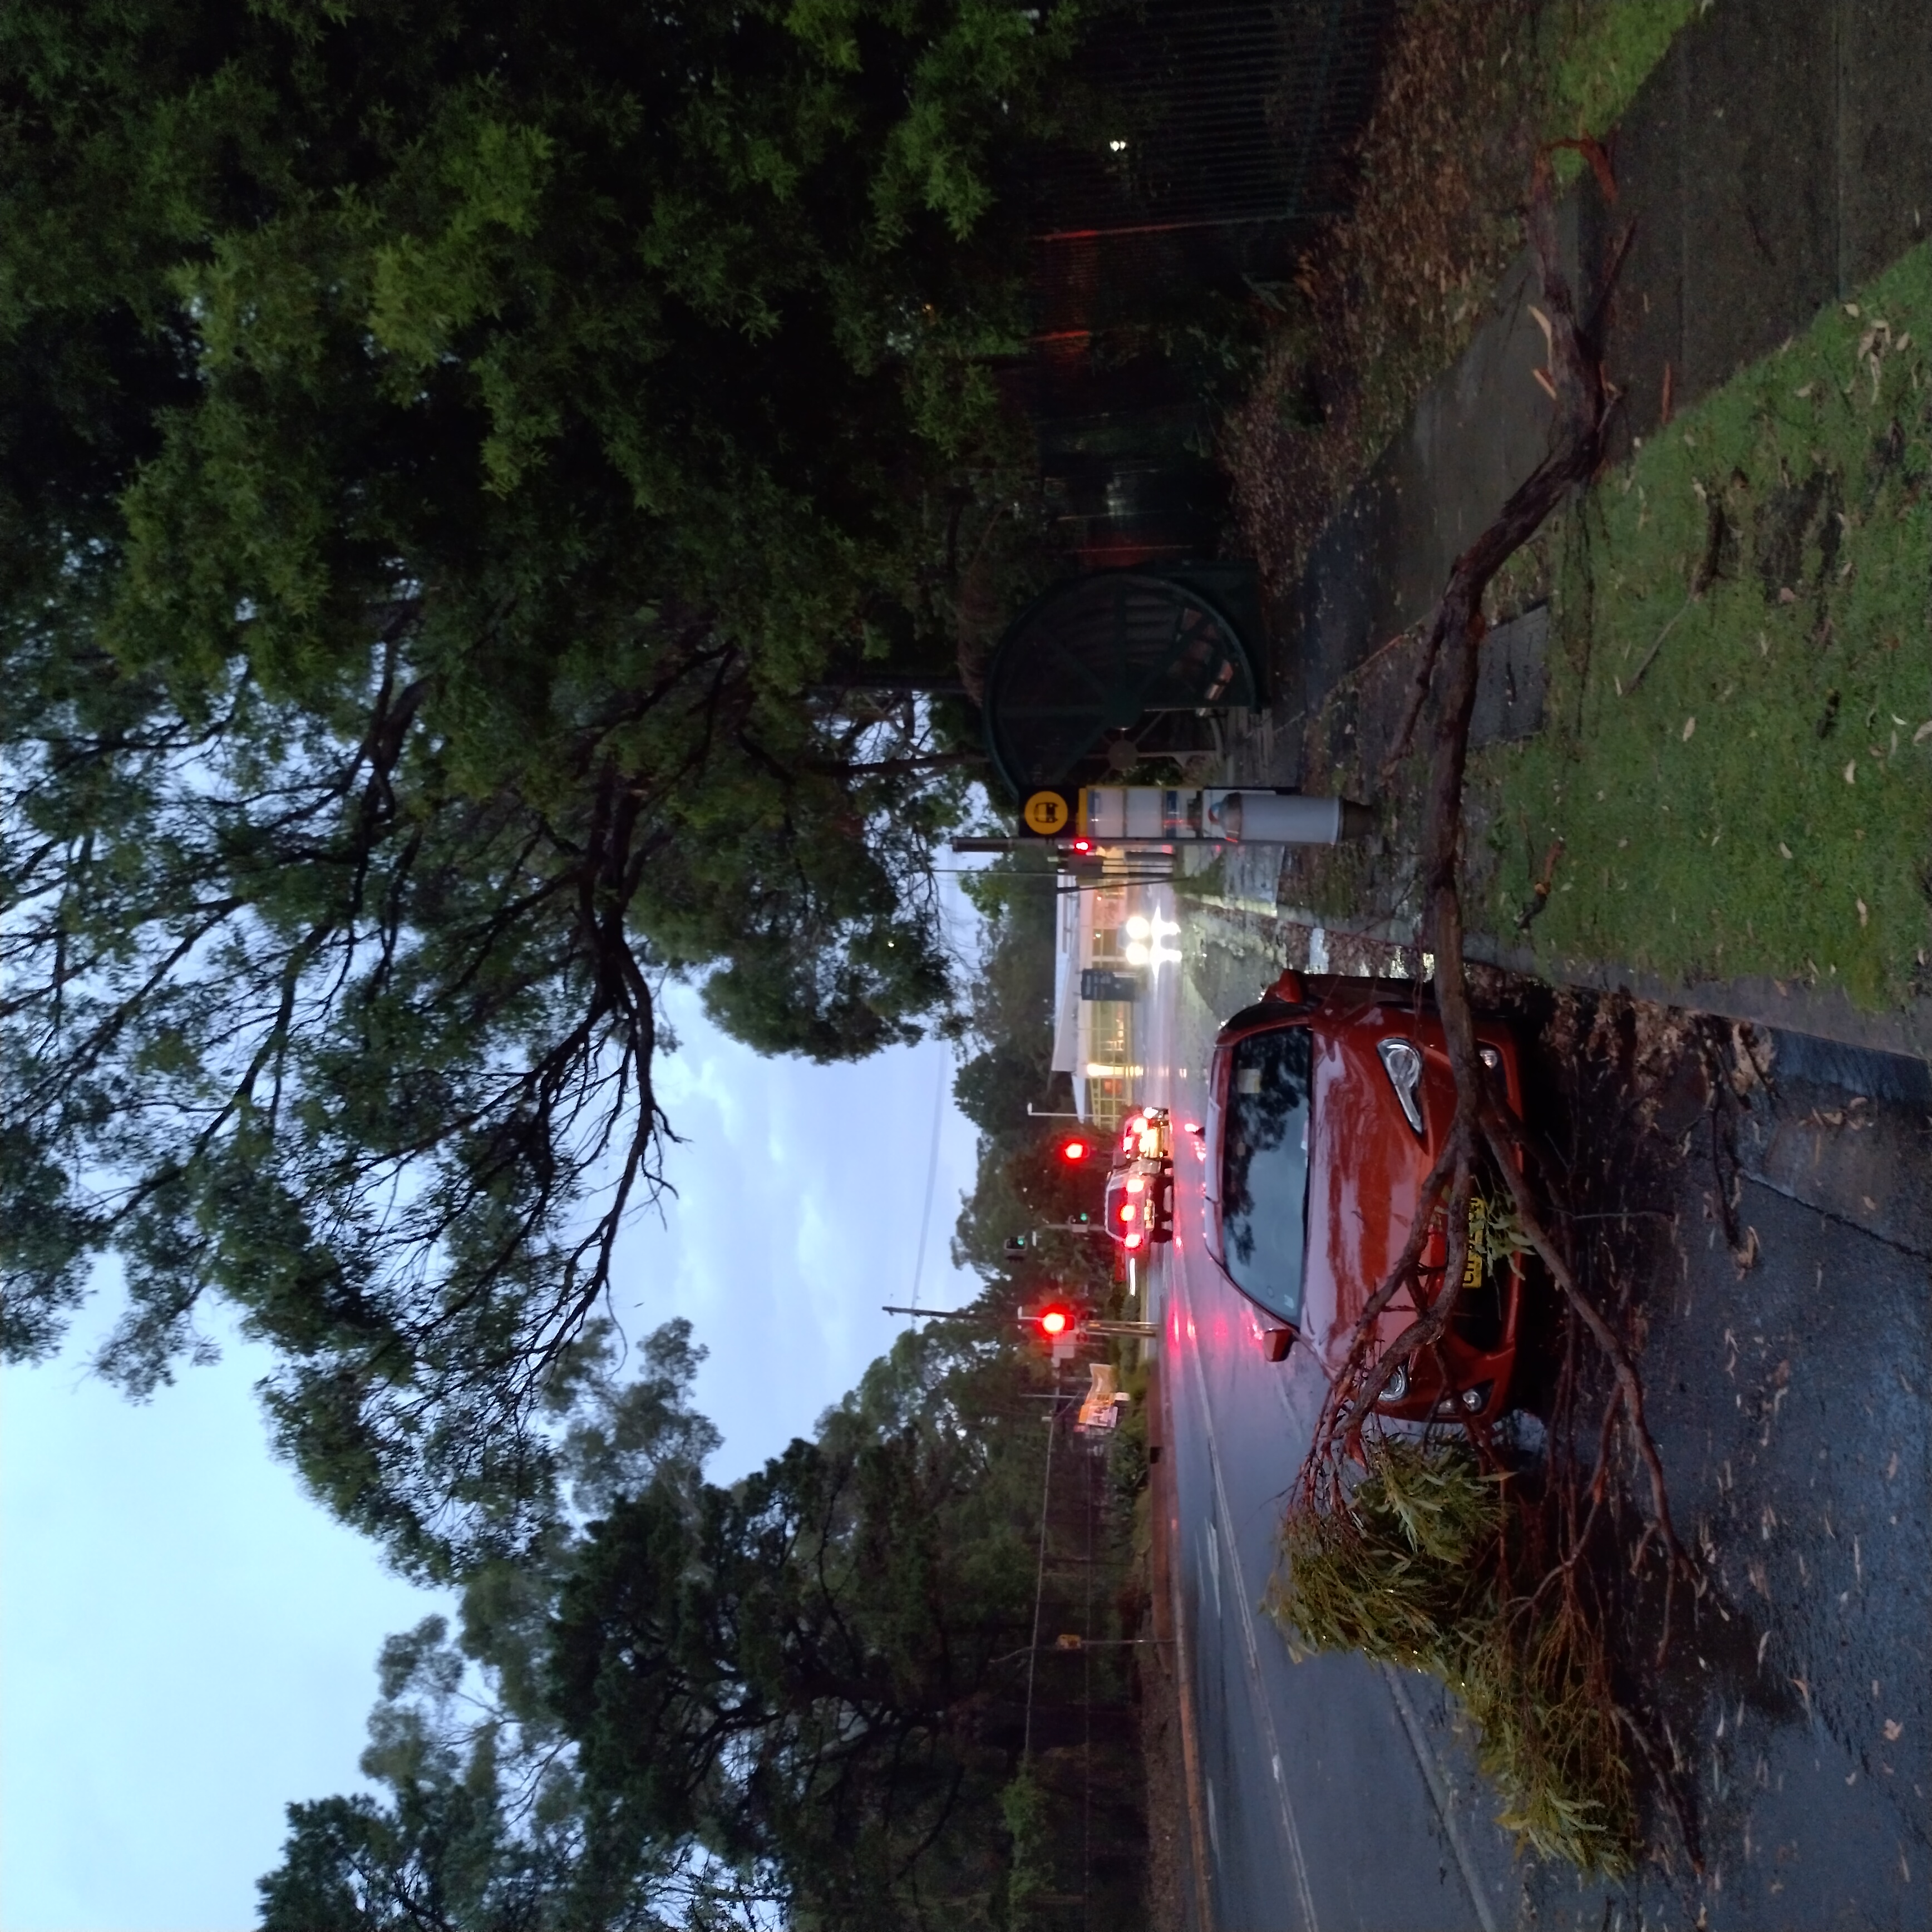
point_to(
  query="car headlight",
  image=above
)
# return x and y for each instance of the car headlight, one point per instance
(1401, 1061)
(1470, 1401)
(1396, 1387)
(1491, 1057)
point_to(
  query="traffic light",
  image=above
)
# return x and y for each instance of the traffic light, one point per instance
(1056, 1322)
(1073, 1148)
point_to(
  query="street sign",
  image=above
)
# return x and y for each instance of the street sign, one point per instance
(1047, 812)
(1103, 982)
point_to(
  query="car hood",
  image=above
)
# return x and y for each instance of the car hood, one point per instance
(1367, 1166)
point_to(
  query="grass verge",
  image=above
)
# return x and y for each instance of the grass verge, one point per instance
(1737, 756)
(1415, 1571)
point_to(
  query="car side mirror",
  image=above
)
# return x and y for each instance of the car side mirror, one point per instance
(1288, 989)
(1276, 1342)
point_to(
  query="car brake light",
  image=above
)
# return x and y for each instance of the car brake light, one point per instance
(1134, 1240)
(1136, 1184)
(1126, 1211)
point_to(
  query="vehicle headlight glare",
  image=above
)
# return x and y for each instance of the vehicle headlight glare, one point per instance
(1401, 1061)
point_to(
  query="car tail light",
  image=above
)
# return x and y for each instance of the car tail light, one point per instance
(1126, 1211)
(1401, 1061)
(1134, 1240)
(1135, 1185)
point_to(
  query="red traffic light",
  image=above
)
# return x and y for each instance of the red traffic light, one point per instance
(1054, 1322)
(1075, 1149)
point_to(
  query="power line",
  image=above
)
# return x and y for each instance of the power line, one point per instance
(931, 1176)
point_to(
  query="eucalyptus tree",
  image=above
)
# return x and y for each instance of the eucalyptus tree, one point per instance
(443, 445)
(795, 1699)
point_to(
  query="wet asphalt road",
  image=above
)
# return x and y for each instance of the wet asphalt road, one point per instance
(1790, 1403)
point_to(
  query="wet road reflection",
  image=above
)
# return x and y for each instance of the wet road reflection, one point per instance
(1789, 1405)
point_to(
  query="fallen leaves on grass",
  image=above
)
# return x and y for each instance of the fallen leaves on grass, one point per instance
(1391, 296)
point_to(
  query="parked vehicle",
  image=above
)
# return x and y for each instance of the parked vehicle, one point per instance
(1148, 1135)
(1140, 1186)
(1328, 1105)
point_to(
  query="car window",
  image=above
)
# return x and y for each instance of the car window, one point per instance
(1264, 1168)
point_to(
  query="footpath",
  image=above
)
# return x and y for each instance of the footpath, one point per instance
(1778, 159)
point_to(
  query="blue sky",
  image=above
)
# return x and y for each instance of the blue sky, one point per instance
(187, 1642)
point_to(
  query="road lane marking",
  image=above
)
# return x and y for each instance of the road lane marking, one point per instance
(1439, 1790)
(1270, 1740)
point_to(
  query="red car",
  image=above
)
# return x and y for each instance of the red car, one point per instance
(1327, 1109)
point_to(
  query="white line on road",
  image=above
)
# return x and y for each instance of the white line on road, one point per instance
(1266, 1710)
(1438, 1789)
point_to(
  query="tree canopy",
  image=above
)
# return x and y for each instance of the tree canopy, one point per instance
(798, 1698)
(441, 444)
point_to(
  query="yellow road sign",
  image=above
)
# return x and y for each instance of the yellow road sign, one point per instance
(1046, 812)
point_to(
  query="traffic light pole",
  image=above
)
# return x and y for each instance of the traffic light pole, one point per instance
(982, 1315)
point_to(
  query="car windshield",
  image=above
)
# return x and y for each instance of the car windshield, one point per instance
(1264, 1169)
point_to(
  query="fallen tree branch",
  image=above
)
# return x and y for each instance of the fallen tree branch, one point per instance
(1481, 1136)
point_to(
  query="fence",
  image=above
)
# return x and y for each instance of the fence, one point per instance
(1220, 142)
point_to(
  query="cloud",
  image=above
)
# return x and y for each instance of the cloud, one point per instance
(799, 1194)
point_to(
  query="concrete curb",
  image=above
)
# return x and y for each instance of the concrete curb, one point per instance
(1381, 947)
(1822, 1011)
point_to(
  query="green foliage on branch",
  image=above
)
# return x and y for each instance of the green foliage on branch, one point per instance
(1418, 1569)
(442, 446)
(798, 1698)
